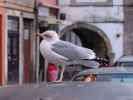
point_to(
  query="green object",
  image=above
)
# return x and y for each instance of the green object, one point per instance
(60, 66)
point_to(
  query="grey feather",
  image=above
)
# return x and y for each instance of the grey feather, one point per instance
(72, 51)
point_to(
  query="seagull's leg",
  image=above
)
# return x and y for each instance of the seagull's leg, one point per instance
(45, 70)
(62, 69)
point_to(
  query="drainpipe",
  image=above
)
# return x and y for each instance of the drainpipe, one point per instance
(36, 65)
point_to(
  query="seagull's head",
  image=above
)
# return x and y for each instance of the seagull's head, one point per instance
(50, 36)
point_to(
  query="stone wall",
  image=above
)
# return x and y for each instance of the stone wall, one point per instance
(108, 17)
(128, 27)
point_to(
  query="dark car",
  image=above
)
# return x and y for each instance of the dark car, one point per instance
(69, 91)
(125, 61)
(112, 74)
(104, 90)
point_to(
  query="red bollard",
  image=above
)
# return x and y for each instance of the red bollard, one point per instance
(52, 72)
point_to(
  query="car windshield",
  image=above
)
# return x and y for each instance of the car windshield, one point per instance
(106, 78)
(125, 64)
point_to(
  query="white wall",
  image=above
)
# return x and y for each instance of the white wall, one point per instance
(118, 2)
(111, 30)
(107, 18)
(68, 2)
(92, 14)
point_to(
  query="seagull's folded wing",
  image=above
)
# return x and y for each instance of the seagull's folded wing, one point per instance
(71, 51)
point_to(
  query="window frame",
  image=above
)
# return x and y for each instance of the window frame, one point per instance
(107, 3)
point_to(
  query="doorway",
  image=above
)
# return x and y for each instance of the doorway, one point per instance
(13, 50)
(89, 36)
(27, 45)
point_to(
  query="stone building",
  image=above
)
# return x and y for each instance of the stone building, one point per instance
(95, 24)
(19, 20)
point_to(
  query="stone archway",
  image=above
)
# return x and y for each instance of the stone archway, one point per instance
(91, 37)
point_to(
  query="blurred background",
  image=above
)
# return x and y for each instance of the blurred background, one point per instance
(104, 26)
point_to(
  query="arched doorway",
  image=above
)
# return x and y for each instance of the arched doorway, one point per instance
(88, 36)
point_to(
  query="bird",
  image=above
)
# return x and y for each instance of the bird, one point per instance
(57, 51)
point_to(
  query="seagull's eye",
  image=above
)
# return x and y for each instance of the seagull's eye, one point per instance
(47, 35)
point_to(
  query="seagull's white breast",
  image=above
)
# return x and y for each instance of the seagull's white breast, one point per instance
(44, 48)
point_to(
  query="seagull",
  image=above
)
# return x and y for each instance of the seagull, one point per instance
(57, 51)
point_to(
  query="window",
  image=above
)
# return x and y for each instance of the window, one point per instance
(13, 24)
(95, 1)
(91, 2)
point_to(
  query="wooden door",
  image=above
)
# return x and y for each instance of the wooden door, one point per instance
(27, 50)
(13, 58)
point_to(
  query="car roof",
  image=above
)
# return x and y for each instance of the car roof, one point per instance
(126, 58)
(69, 91)
(109, 70)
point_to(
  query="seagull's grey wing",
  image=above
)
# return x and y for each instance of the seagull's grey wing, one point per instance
(72, 51)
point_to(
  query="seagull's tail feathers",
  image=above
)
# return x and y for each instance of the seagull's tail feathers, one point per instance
(90, 53)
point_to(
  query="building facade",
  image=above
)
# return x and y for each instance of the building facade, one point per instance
(2, 35)
(19, 20)
(128, 30)
(47, 14)
(17, 41)
(97, 24)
